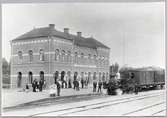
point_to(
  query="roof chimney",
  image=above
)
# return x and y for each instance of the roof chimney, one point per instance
(52, 26)
(66, 30)
(79, 34)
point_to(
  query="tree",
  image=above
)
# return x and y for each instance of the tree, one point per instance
(5, 71)
(5, 66)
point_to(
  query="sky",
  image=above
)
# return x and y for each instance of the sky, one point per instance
(135, 32)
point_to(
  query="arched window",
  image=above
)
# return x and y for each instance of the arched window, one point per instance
(69, 56)
(19, 79)
(30, 52)
(94, 76)
(107, 76)
(82, 55)
(82, 58)
(20, 54)
(56, 76)
(41, 55)
(99, 75)
(76, 57)
(41, 74)
(57, 54)
(103, 61)
(30, 76)
(103, 77)
(63, 55)
(100, 59)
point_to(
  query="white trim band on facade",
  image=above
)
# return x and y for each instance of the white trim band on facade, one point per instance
(88, 66)
(29, 42)
(34, 75)
(37, 54)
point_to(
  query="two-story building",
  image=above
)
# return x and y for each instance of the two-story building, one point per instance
(42, 52)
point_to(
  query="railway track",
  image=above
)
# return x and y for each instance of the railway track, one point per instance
(163, 110)
(145, 108)
(98, 105)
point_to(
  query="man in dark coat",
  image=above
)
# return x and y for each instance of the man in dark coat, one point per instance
(34, 85)
(82, 82)
(136, 88)
(74, 82)
(94, 83)
(58, 87)
(99, 86)
(63, 81)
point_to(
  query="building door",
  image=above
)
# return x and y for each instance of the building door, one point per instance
(30, 76)
(69, 75)
(41, 74)
(103, 77)
(75, 76)
(19, 79)
(56, 76)
(62, 75)
(99, 75)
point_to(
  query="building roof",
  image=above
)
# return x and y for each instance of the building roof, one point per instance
(50, 31)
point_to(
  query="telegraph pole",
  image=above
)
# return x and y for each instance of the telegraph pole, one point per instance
(124, 49)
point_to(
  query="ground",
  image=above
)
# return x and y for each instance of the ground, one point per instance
(148, 103)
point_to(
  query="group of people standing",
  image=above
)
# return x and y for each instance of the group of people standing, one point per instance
(38, 85)
(98, 84)
(67, 82)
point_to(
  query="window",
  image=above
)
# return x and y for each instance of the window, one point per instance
(41, 75)
(82, 55)
(100, 59)
(63, 55)
(76, 57)
(69, 56)
(82, 58)
(103, 60)
(94, 59)
(41, 55)
(57, 54)
(99, 75)
(89, 58)
(30, 52)
(30, 76)
(20, 55)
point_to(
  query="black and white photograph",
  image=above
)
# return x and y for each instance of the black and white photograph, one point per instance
(83, 59)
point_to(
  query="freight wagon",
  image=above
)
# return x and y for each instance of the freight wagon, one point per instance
(142, 78)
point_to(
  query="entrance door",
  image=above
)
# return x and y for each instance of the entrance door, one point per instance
(62, 75)
(41, 75)
(56, 76)
(19, 79)
(30, 75)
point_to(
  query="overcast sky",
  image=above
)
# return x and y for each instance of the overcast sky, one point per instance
(135, 32)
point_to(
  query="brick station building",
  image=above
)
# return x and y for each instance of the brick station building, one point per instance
(44, 52)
